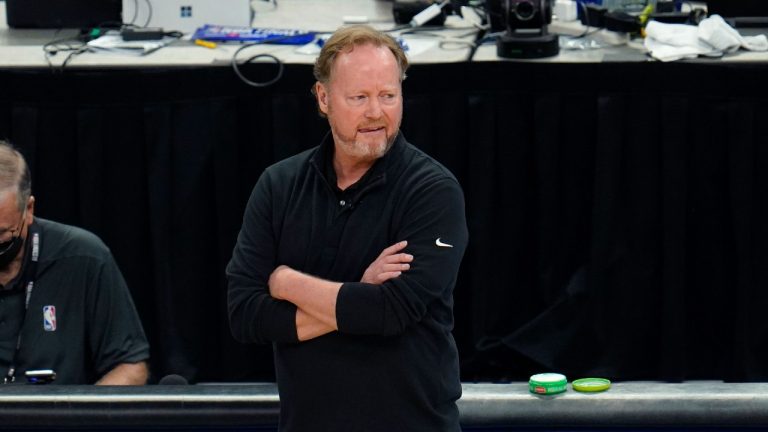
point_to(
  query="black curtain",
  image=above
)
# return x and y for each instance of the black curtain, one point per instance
(615, 210)
(616, 213)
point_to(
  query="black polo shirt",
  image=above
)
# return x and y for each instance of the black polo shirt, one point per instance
(81, 321)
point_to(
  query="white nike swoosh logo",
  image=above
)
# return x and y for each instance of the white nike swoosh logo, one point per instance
(441, 244)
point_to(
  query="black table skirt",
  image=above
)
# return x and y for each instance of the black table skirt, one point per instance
(617, 211)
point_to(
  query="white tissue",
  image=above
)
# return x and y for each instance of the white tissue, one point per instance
(712, 37)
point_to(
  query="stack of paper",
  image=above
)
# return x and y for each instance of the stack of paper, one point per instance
(115, 43)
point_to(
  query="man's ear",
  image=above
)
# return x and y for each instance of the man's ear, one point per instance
(30, 209)
(322, 97)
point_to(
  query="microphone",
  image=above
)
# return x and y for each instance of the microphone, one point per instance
(173, 379)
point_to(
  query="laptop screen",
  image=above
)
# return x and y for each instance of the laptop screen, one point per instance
(62, 13)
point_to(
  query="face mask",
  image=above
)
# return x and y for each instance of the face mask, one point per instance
(9, 250)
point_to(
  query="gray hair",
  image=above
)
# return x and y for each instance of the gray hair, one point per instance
(14, 173)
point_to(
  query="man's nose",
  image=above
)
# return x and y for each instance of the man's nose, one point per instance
(373, 108)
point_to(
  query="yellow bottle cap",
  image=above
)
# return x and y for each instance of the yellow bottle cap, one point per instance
(591, 384)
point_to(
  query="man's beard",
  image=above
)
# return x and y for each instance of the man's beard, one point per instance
(368, 152)
(362, 151)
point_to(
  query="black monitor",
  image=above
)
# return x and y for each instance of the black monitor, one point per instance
(741, 13)
(63, 13)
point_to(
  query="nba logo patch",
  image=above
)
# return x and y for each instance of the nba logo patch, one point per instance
(49, 318)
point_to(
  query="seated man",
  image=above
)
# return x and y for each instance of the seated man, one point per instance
(64, 304)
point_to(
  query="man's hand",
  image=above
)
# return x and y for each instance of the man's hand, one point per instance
(390, 264)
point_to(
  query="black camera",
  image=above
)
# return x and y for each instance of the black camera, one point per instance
(528, 13)
(519, 14)
(524, 23)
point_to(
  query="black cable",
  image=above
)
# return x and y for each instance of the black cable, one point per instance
(585, 13)
(397, 28)
(242, 77)
(506, 17)
(478, 42)
(272, 2)
(483, 12)
(443, 41)
(281, 67)
(135, 12)
(72, 55)
(149, 13)
(79, 44)
(73, 45)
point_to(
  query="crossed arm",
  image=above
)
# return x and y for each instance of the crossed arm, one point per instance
(315, 298)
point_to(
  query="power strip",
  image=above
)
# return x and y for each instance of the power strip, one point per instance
(142, 33)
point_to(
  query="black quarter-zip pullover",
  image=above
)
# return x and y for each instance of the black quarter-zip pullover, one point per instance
(393, 363)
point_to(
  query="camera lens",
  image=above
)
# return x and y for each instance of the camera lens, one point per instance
(525, 10)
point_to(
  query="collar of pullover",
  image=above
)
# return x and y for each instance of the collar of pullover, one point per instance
(322, 161)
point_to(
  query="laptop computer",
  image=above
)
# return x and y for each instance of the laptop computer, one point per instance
(54, 14)
(187, 15)
(741, 13)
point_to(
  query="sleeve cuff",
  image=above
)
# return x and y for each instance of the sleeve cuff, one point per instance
(358, 308)
(284, 327)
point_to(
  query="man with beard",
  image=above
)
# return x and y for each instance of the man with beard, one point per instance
(347, 259)
(64, 305)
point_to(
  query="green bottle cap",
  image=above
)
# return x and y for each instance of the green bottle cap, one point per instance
(591, 384)
(548, 383)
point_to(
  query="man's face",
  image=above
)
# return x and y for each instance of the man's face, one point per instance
(363, 102)
(13, 223)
